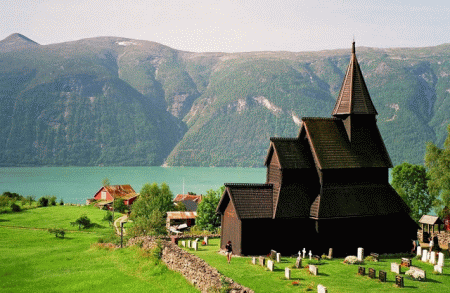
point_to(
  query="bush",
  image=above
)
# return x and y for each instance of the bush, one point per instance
(351, 259)
(43, 201)
(61, 202)
(58, 232)
(82, 221)
(52, 200)
(108, 217)
(15, 208)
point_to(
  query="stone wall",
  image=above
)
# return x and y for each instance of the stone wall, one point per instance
(197, 271)
(443, 236)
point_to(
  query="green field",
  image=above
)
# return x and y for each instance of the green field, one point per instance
(33, 260)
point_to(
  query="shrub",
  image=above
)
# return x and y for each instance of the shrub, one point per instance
(370, 258)
(108, 217)
(351, 259)
(413, 275)
(61, 202)
(4, 200)
(43, 201)
(15, 208)
(82, 221)
(52, 200)
(58, 232)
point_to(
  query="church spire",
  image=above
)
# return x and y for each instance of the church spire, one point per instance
(353, 97)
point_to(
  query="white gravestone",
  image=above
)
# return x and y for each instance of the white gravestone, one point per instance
(298, 262)
(183, 243)
(433, 257)
(441, 259)
(278, 257)
(206, 240)
(270, 265)
(419, 251)
(321, 289)
(310, 254)
(299, 254)
(304, 252)
(313, 269)
(438, 268)
(360, 254)
(189, 243)
(254, 260)
(424, 255)
(396, 268)
(287, 273)
(195, 245)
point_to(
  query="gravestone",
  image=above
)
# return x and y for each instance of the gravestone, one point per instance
(372, 273)
(298, 263)
(195, 245)
(330, 253)
(310, 254)
(399, 281)
(313, 269)
(321, 289)
(440, 259)
(375, 256)
(433, 257)
(278, 257)
(254, 260)
(407, 262)
(360, 254)
(438, 268)
(425, 255)
(382, 276)
(183, 243)
(420, 272)
(262, 261)
(304, 252)
(270, 265)
(287, 273)
(361, 271)
(419, 251)
(396, 268)
(273, 254)
(206, 240)
(189, 244)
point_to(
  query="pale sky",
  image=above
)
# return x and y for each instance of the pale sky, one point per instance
(234, 26)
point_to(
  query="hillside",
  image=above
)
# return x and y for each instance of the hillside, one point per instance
(118, 101)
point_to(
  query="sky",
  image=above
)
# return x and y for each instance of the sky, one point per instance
(234, 26)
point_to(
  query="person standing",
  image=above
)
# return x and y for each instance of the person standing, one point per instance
(229, 250)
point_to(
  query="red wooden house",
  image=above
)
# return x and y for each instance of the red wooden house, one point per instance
(326, 188)
(108, 193)
(190, 201)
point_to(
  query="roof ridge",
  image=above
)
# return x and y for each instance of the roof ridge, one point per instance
(321, 118)
(284, 138)
(249, 184)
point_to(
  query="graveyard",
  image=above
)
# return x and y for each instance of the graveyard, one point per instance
(277, 273)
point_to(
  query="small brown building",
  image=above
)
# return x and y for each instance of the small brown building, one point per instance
(326, 188)
(107, 194)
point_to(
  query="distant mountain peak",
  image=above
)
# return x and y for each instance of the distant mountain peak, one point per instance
(15, 42)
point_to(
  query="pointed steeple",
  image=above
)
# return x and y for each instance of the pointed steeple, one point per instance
(354, 97)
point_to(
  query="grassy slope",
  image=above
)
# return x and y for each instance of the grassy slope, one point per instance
(333, 274)
(32, 260)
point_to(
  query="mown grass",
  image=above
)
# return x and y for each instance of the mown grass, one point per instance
(32, 260)
(333, 274)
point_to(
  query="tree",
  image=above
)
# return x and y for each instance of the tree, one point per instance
(207, 219)
(82, 221)
(119, 205)
(150, 209)
(411, 183)
(437, 161)
(105, 182)
(43, 201)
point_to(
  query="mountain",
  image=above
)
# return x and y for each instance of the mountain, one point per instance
(119, 101)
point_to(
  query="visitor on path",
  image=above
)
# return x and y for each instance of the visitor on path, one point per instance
(415, 243)
(431, 244)
(229, 250)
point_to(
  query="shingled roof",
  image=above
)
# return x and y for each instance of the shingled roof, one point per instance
(354, 201)
(251, 201)
(293, 201)
(292, 154)
(121, 191)
(354, 97)
(332, 149)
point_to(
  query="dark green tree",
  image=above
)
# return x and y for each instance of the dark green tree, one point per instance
(411, 183)
(207, 219)
(119, 205)
(149, 210)
(437, 161)
(83, 222)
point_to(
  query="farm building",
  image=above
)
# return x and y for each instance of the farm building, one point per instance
(190, 201)
(326, 188)
(107, 194)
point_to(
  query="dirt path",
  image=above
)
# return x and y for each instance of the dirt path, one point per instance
(117, 222)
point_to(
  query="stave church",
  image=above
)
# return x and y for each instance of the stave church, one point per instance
(326, 188)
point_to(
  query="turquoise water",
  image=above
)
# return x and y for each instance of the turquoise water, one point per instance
(76, 184)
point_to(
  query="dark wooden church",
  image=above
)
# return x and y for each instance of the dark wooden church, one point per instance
(327, 188)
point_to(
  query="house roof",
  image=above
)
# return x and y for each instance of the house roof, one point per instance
(191, 197)
(292, 153)
(181, 215)
(354, 97)
(124, 192)
(430, 220)
(332, 149)
(251, 201)
(294, 201)
(344, 201)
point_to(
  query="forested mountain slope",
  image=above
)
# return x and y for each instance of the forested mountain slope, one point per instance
(118, 101)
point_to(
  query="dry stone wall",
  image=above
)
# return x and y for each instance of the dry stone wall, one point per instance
(193, 268)
(443, 237)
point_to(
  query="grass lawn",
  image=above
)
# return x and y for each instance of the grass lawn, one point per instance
(333, 274)
(33, 260)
